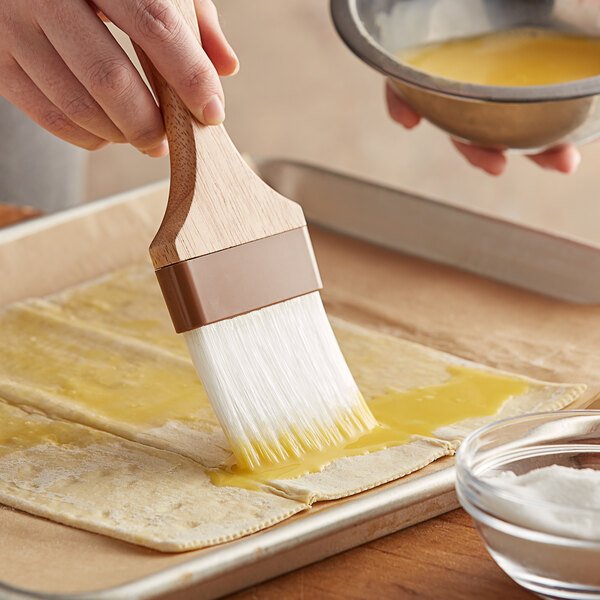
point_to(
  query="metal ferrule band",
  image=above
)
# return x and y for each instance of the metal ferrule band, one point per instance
(240, 279)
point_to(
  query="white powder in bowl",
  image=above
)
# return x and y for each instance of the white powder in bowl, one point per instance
(570, 489)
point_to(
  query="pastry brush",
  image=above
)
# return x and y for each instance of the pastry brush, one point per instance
(236, 267)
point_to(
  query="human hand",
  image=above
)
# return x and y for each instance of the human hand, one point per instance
(61, 66)
(564, 158)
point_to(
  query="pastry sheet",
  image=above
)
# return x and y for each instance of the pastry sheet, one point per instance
(88, 360)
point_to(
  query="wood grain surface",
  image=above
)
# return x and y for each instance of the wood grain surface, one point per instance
(440, 558)
(10, 214)
(215, 200)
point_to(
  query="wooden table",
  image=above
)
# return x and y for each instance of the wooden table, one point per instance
(10, 214)
(440, 558)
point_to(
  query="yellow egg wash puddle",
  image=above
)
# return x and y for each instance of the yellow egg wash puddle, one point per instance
(466, 394)
(515, 57)
(119, 383)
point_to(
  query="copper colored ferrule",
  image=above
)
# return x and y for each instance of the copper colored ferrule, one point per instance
(238, 280)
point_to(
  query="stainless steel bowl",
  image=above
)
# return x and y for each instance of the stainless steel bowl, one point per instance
(525, 118)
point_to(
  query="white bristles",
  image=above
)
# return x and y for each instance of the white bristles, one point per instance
(278, 381)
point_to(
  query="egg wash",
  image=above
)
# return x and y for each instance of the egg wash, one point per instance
(514, 57)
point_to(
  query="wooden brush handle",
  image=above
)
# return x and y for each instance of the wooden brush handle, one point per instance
(215, 200)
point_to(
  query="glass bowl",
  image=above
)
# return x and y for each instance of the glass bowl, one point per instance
(547, 542)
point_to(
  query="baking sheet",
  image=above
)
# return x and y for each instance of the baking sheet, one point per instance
(530, 258)
(428, 303)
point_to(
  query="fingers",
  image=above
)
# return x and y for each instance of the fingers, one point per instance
(22, 92)
(565, 158)
(46, 69)
(104, 70)
(399, 110)
(214, 42)
(60, 65)
(491, 161)
(173, 48)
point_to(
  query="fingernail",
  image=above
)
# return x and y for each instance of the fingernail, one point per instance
(237, 63)
(214, 112)
(411, 120)
(576, 161)
(159, 151)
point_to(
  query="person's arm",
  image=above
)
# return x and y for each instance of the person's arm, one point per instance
(564, 158)
(61, 66)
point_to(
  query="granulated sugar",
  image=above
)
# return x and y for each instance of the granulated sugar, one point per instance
(556, 499)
